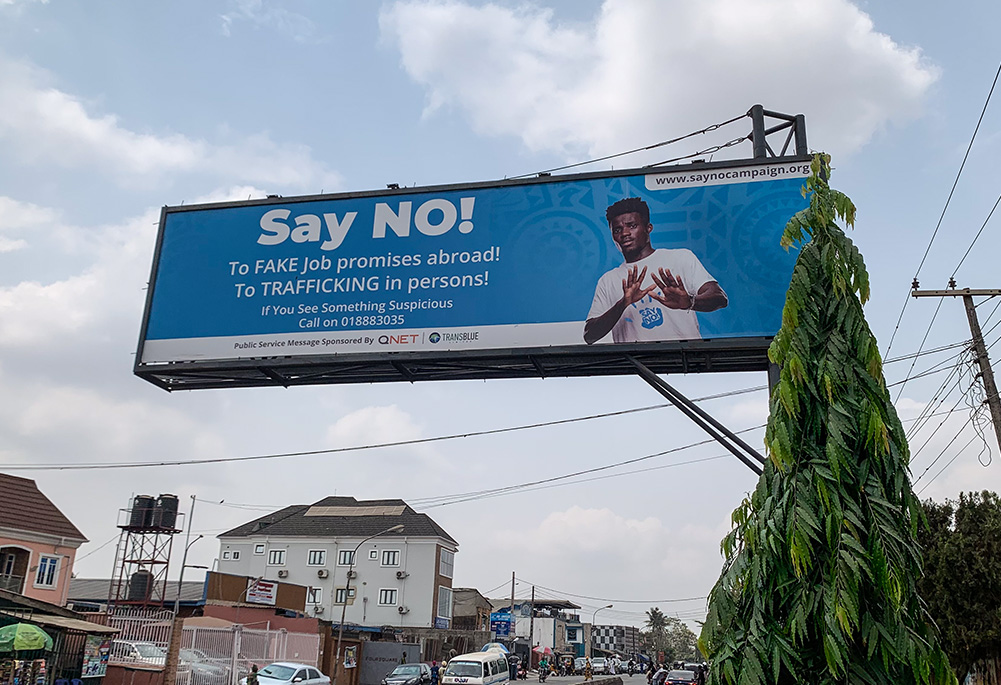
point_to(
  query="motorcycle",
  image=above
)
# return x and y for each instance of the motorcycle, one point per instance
(632, 669)
(543, 672)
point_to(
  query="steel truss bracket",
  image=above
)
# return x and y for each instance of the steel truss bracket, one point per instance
(723, 435)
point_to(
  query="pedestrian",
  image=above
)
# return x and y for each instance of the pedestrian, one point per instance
(252, 676)
(588, 672)
(434, 672)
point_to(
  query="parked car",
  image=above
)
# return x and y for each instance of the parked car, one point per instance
(680, 677)
(409, 674)
(203, 669)
(599, 664)
(130, 652)
(284, 673)
(578, 665)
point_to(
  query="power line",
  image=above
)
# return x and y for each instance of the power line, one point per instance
(921, 346)
(338, 450)
(961, 450)
(948, 200)
(707, 129)
(561, 593)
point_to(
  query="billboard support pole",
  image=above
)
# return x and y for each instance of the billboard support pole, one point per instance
(714, 428)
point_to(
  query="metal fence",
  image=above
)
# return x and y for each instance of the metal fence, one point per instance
(221, 656)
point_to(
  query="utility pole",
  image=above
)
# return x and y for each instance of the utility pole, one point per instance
(986, 372)
(513, 621)
(531, 628)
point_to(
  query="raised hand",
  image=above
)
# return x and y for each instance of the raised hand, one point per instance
(632, 286)
(673, 294)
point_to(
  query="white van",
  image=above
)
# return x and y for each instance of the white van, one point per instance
(477, 668)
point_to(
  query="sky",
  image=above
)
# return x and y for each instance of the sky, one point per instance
(109, 111)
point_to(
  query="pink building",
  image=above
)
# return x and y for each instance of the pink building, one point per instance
(37, 542)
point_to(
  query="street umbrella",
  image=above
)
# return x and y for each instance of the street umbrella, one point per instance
(23, 637)
(545, 651)
(494, 645)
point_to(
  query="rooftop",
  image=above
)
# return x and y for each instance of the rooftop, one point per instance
(24, 507)
(96, 590)
(342, 517)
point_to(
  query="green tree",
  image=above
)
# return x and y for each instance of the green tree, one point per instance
(962, 581)
(819, 583)
(681, 644)
(656, 624)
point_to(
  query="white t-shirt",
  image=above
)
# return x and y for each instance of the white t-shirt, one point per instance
(648, 319)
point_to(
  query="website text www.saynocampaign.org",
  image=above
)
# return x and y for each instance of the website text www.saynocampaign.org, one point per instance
(716, 177)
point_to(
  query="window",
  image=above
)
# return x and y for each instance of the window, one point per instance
(387, 597)
(316, 557)
(225, 555)
(339, 595)
(236, 555)
(345, 557)
(391, 557)
(46, 575)
(444, 602)
(314, 595)
(373, 555)
(571, 635)
(258, 549)
(276, 557)
(313, 673)
(447, 563)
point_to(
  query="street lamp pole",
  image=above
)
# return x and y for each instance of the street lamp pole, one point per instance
(184, 557)
(593, 617)
(347, 590)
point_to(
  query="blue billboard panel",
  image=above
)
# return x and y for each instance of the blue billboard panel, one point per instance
(590, 260)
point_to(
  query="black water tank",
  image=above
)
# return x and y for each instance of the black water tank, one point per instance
(165, 515)
(140, 586)
(142, 512)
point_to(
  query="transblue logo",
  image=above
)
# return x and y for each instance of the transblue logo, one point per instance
(434, 337)
(652, 317)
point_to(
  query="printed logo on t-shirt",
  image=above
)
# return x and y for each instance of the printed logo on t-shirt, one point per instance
(652, 317)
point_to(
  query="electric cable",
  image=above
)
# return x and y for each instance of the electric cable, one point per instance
(338, 450)
(561, 593)
(707, 129)
(947, 465)
(921, 346)
(946, 207)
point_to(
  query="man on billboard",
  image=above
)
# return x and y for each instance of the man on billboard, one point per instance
(654, 294)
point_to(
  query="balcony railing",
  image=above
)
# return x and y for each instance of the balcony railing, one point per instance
(12, 583)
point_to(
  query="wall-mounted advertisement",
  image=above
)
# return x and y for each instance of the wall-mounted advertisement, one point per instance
(589, 260)
(261, 591)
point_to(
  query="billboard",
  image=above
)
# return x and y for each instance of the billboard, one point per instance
(516, 275)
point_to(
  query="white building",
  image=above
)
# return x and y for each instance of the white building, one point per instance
(400, 579)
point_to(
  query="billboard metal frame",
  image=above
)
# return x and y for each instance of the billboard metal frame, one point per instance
(721, 355)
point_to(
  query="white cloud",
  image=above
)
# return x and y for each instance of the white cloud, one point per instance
(373, 425)
(265, 15)
(105, 295)
(44, 125)
(645, 71)
(21, 217)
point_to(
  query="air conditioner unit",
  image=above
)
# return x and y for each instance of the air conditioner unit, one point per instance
(322, 573)
(400, 575)
(403, 610)
(283, 573)
(317, 609)
(352, 573)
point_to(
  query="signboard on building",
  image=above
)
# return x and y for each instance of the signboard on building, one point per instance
(512, 278)
(261, 591)
(501, 623)
(96, 650)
